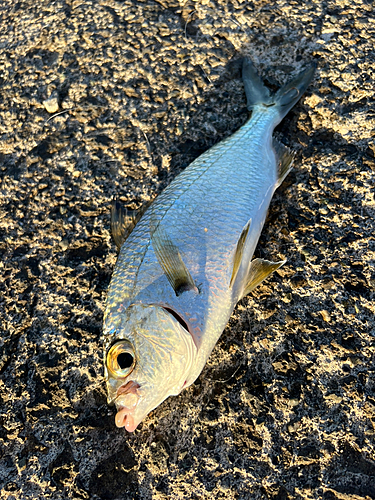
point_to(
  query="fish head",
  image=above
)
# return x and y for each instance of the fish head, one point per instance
(147, 358)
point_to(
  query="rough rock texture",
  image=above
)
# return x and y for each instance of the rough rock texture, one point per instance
(285, 407)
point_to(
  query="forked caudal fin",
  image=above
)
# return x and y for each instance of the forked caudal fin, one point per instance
(284, 99)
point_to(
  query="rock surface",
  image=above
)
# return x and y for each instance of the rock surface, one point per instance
(285, 407)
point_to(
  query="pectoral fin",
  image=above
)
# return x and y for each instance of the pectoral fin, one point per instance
(259, 270)
(123, 221)
(171, 262)
(239, 252)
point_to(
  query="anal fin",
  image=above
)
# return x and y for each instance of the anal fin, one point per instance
(239, 252)
(259, 270)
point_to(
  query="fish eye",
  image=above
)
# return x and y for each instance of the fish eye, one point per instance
(121, 359)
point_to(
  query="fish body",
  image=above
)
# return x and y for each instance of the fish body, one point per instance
(187, 262)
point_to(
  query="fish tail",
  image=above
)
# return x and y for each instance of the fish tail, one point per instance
(256, 91)
(284, 99)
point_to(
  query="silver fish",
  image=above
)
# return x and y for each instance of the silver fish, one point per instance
(187, 262)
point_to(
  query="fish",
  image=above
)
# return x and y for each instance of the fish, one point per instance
(187, 260)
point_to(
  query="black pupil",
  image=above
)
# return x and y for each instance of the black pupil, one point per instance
(124, 360)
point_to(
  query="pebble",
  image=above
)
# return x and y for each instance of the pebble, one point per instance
(64, 244)
(51, 104)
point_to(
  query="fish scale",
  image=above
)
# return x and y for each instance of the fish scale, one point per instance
(216, 179)
(187, 262)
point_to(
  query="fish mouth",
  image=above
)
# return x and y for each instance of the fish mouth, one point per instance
(125, 419)
(130, 387)
(126, 402)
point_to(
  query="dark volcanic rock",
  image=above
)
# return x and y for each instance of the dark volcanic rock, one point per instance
(285, 407)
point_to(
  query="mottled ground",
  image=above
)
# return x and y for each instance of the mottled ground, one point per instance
(285, 408)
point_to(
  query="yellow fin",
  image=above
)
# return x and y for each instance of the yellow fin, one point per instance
(239, 252)
(259, 270)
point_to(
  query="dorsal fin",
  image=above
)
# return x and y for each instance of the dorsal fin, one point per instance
(259, 270)
(239, 252)
(171, 262)
(285, 158)
(123, 221)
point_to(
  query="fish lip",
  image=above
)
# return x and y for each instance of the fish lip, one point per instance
(124, 418)
(130, 387)
(125, 409)
(126, 402)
